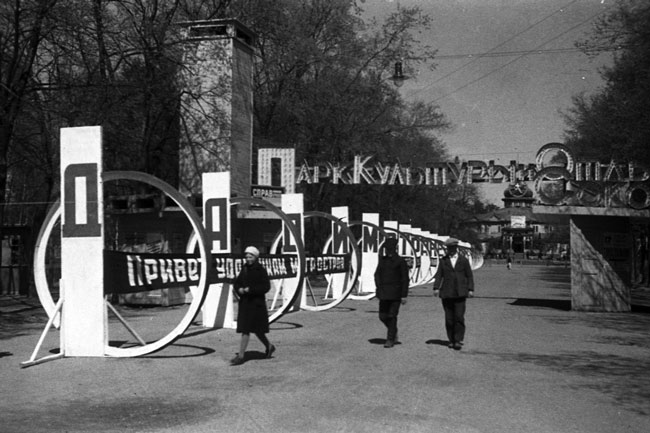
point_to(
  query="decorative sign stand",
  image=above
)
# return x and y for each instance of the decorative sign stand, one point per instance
(404, 246)
(217, 310)
(81, 306)
(340, 245)
(423, 254)
(370, 240)
(292, 205)
(81, 302)
(84, 320)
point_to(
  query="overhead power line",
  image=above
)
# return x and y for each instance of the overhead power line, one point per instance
(538, 47)
(524, 52)
(536, 23)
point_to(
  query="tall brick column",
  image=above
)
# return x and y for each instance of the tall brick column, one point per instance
(216, 104)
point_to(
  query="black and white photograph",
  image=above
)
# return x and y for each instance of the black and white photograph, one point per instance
(325, 216)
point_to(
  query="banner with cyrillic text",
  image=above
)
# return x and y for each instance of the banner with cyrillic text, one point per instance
(137, 272)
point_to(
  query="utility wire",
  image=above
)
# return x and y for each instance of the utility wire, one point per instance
(525, 52)
(520, 56)
(493, 49)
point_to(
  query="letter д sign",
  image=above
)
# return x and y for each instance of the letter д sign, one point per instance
(84, 319)
(81, 213)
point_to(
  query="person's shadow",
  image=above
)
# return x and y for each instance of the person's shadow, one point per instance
(252, 355)
(381, 341)
(438, 342)
(255, 354)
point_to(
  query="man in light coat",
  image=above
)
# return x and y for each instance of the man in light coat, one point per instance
(454, 283)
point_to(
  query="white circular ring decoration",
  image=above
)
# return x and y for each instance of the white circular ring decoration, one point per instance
(46, 230)
(40, 250)
(367, 295)
(415, 270)
(295, 234)
(356, 266)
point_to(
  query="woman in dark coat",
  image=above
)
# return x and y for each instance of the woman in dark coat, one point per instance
(251, 285)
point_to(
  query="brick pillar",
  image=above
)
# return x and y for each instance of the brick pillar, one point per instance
(216, 104)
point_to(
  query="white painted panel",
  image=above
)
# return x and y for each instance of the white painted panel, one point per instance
(339, 280)
(84, 328)
(218, 308)
(293, 205)
(369, 252)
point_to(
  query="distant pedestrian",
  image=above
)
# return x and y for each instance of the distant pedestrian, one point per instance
(509, 262)
(392, 282)
(454, 283)
(251, 286)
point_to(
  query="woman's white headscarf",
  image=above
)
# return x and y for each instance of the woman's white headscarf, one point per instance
(253, 251)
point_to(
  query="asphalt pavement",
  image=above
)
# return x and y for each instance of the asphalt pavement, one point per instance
(529, 364)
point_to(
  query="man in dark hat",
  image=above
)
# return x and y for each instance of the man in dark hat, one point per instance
(454, 283)
(392, 282)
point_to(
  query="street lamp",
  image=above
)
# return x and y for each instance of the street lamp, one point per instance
(398, 74)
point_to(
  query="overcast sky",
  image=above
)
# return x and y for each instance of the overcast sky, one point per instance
(503, 107)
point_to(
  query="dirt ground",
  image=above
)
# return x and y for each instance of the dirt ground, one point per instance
(530, 364)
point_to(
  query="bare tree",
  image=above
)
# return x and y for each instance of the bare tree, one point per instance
(23, 26)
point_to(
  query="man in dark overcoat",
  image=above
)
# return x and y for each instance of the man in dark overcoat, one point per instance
(454, 283)
(392, 282)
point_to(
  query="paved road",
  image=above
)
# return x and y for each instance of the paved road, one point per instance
(530, 365)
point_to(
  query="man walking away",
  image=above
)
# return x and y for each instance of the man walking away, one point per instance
(454, 283)
(392, 282)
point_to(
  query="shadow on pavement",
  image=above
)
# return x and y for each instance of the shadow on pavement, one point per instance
(620, 322)
(14, 325)
(255, 355)
(558, 276)
(624, 379)
(557, 304)
(283, 326)
(202, 352)
(197, 332)
(126, 414)
(438, 342)
(380, 341)
(339, 308)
